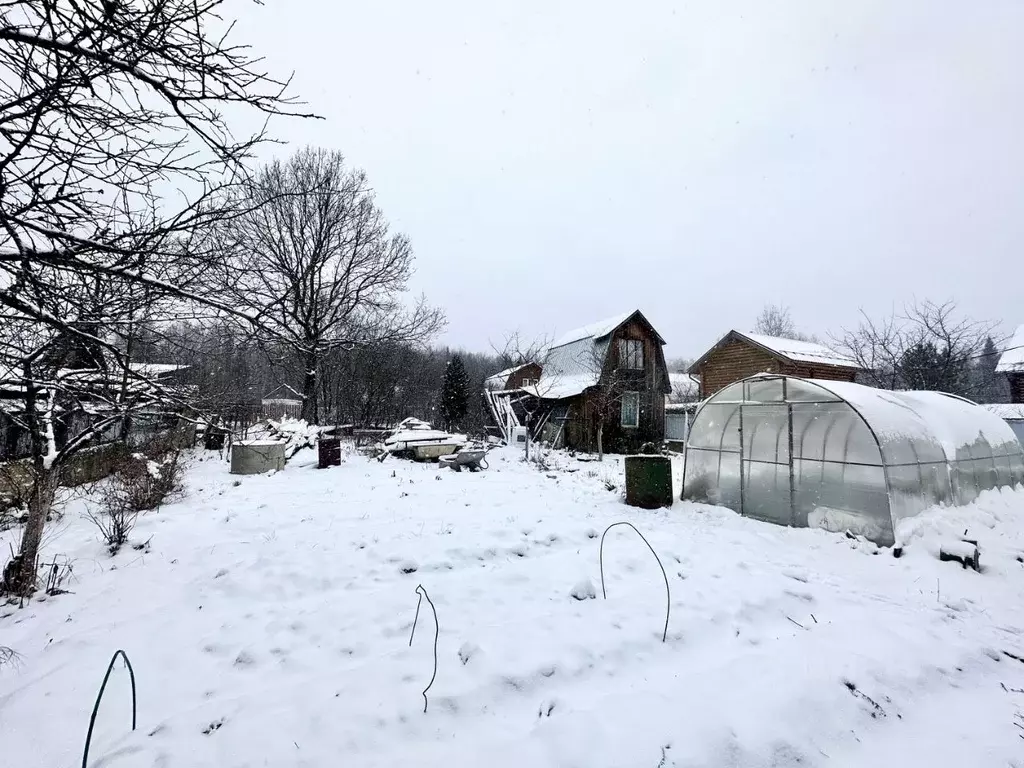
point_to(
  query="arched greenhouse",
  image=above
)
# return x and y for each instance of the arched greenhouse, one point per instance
(843, 456)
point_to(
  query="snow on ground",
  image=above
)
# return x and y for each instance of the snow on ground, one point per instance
(268, 623)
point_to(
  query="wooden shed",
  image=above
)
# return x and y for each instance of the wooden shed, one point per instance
(738, 355)
(517, 377)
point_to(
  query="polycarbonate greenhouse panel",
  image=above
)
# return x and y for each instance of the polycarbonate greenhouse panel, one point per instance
(763, 390)
(766, 494)
(766, 433)
(718, 428)
(805, 391)
(843, 456)
(840, 497)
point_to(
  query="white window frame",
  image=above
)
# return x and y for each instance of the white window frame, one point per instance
(630, 354)
(636, 411)
(528, 383)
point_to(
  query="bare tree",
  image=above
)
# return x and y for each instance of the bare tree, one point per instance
(313, 259)
(607, 398)
(776, 320)
(102, 105)
(928, 345)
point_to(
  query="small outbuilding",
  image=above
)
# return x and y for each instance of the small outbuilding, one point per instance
(842, 456)
(738, 355)
(514, 378)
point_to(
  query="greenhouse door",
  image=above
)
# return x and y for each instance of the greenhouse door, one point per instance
(766, 484)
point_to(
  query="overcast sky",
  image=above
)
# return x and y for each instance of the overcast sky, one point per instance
(558, 162)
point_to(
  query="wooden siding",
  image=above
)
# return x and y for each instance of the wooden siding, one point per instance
(530, 371)
(1016, 387)
(737, 360)
(827, 372)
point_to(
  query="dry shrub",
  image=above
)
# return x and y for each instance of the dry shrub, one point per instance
(8, 656)
(141, 481)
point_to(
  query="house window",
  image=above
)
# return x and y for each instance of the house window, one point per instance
(528, 382)
(631, 354)
(630, 416)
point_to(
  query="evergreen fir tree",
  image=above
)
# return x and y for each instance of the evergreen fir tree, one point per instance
(454, 393)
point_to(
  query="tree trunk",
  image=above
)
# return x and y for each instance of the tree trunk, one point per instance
(41, 494)
(600, 440)
(310, 390)
(39, 503)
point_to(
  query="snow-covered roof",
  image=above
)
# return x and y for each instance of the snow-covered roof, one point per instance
(597, 330)
(1007, 411)
(801, 351)
(570, 369)
(690, 407)
(793, 350)
(498, 380)
(286, 388)
(573, 363)
(1012, 360)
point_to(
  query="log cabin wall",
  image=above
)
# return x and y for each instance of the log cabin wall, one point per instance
(737, 359)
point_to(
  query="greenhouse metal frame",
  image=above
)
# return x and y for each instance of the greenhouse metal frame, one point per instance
(843, 456)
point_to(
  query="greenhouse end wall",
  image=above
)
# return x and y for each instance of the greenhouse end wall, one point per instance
(842, 456)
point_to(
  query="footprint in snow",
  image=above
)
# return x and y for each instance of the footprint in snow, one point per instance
(547, 708)
(467, 651)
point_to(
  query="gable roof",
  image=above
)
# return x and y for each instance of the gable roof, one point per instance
(790, 350)
(287, 388)
(602, 328)
(1012, 360)
(575, 361)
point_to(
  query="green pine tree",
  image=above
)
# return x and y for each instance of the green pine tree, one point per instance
(454, 393)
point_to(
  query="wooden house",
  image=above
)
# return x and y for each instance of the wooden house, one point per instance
(608, 379)
(738, 355)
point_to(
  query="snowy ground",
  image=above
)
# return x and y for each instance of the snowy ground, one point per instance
(268, 623)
